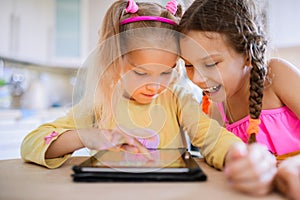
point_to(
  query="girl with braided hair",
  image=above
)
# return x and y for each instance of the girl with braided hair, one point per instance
(224, 46)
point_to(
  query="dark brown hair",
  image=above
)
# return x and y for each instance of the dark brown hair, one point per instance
(241, 23)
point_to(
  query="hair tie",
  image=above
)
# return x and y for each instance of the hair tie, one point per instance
(253, 126)
(132, 7)
(205, 103)
(172, 6)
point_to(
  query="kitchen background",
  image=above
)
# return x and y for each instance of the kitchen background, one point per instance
(42, 44)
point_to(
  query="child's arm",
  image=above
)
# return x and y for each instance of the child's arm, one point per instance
(287, 179)
(285, 81)
(66, 143)
(250, 169)
(37, 142)
(212, 140)
(94, 139)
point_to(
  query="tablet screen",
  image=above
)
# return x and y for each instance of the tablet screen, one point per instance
(166, 160)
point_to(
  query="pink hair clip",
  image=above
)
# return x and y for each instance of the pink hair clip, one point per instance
(172, 6)
(48, 138)
(132, 7)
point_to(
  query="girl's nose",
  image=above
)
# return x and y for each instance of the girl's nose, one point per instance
(154, 87)
(199, 77)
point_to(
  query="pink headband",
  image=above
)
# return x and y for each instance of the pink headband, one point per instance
(147, 18)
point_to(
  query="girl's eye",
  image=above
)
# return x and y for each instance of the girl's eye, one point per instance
(211, 65)
(189, 66)
(140, 73)
(167, 72)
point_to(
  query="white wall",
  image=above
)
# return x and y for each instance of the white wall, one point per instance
(284, 29)
(97, 10)
(26, 27)
(284, 23)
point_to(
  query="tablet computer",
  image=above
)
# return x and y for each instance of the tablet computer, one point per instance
(166, 165)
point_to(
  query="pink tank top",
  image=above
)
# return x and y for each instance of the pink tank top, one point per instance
(279, 129)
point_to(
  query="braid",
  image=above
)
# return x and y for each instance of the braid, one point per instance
(257, 77)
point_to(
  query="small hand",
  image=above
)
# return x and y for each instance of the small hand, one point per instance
(100, 139)
(250, 169)
(147, 137)
(129, 143)
(287, 179)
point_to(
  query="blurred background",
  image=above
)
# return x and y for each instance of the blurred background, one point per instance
(43, 42)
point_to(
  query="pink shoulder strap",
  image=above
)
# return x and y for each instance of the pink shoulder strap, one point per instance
(222, 111)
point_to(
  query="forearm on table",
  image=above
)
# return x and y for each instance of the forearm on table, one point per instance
(66, 143)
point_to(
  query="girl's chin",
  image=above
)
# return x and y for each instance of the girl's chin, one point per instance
(144, 102)
(219, 96)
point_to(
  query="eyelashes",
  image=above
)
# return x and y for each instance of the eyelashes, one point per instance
(189, 66)
(206, 65)
(211, 65)
(167, 72)
(139, 73)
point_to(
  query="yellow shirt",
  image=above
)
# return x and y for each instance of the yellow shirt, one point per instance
(174, 108)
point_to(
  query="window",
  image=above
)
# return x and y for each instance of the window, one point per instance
(68, 29)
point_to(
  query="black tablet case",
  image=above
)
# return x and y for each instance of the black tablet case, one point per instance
(195, 173)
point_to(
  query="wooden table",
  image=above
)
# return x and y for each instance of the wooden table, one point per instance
(19, 180)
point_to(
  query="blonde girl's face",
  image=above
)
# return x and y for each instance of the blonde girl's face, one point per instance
(214, 66)
(147, 74)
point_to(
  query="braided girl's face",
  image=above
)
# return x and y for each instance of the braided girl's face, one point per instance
(213, 65)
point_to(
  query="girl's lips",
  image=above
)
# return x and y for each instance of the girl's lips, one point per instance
(149, 95)
(212, 90)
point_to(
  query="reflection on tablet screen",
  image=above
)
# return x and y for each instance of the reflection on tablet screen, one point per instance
(170, 158)
(163, 160)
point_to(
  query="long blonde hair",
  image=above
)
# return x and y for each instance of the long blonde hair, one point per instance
(103, 67)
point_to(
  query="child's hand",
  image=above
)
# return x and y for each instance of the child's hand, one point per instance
(250, 169)
(287, 179)
(100, 139)
(147, 137)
